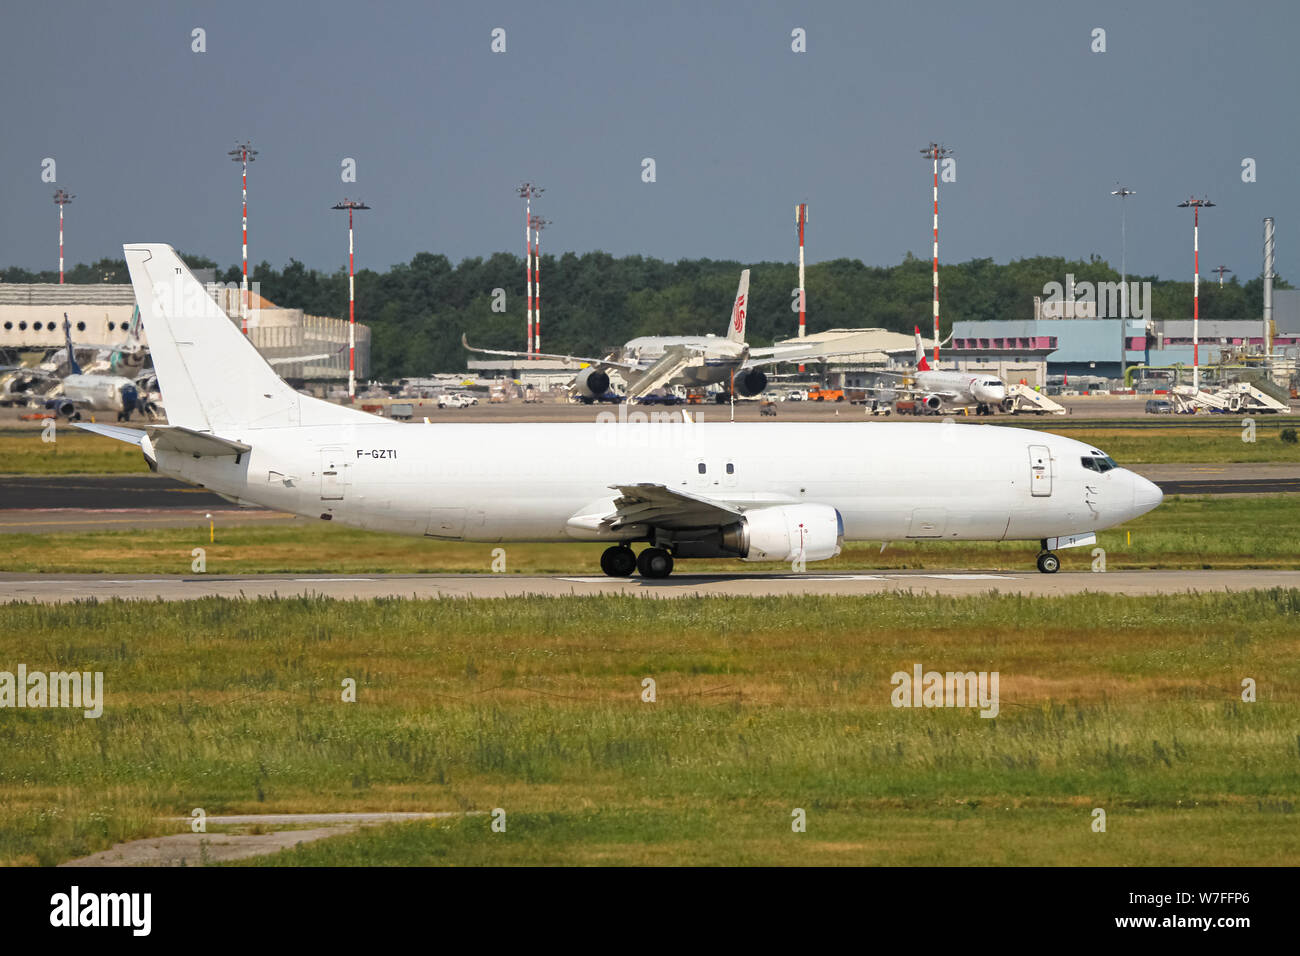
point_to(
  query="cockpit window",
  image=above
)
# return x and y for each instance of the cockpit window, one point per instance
(1098, 462)
(1106, 463)
(1089, 463)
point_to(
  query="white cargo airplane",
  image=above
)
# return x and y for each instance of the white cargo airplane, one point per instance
(651, 362)
(937, 389)
(787, 492)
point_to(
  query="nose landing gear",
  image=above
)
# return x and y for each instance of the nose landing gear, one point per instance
(1048, 563)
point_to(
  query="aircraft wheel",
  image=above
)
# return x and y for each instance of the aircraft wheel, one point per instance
(618, 561)
(654, 563)
(1048, 563)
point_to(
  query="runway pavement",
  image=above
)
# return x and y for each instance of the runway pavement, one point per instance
(60, 588)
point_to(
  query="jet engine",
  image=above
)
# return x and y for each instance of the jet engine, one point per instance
(933, 402)
(750, 382)
(786, 532)
(591, 383)
(130, 402)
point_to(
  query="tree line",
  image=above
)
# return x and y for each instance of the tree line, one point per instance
(592, 302)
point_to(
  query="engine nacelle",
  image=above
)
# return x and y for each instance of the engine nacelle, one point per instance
(933, 402)
(786, 532)
(750, 382)
(592, 383)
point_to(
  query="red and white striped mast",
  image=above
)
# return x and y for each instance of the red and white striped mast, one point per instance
(61, 199)
(527, 191)
(801, 219)
(244, 155)
(1196, 206)
(538, 225)
(936, 151)
(349, 205)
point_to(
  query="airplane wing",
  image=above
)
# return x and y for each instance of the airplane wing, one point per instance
(574, 359)
(290, 359)
(759, 357)
(663, 507)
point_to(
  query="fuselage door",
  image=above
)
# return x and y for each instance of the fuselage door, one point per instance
(333, 474)
(1040, 471)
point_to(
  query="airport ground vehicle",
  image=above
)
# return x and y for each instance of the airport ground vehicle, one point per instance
(826, 395)
(456, 401)
(401, 411)
(1159, 406)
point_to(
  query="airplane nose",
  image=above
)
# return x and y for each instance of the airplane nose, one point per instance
(1146, 495)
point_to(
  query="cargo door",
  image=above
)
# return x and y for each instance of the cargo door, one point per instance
(333, 474)
(1040, 471)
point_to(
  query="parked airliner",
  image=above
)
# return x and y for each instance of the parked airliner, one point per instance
(651, 362)
(937, 389)
(786, 492)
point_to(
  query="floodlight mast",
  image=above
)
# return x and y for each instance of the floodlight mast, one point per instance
(935, 152)
(527, 192)
(350, 205)
(1196, 205)
(61, 198)
(1123, 192)
(243, 154)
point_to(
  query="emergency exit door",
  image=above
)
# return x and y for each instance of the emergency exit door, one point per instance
(1040, 471)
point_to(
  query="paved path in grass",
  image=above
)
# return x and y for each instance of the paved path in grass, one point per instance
(196, 849)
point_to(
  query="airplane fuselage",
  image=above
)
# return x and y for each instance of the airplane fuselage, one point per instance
(718, 358)
(524, 482)
(104, 393)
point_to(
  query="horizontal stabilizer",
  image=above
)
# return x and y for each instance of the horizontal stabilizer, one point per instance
(187, 441)
(131, 436)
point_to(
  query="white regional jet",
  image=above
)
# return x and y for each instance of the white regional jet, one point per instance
(650, 362)
(789, 492)
(940, 388)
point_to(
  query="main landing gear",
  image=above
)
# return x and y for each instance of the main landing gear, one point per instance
(1048, 562)
(620, 562)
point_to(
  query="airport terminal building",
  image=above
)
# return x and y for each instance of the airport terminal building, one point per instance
(31, 319)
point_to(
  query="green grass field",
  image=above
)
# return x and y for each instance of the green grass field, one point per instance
(763, 706)
(1184, 532)
(76, 452)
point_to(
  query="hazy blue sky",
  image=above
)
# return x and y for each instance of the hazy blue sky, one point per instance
(740, 127)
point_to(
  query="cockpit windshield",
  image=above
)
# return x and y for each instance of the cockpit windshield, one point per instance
(1098, 462)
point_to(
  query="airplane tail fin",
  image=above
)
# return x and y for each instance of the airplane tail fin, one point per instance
(211, 377)
(131, 355)
(73, 367)
(739, 310)
(921, 364)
